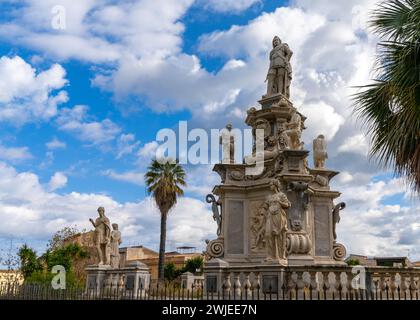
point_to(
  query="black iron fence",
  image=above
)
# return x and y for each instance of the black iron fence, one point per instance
(168, 291)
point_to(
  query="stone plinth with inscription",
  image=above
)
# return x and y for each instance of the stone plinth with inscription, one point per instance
(282, 214)
(133, 279)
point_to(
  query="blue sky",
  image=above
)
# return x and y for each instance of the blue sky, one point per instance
(80, 108)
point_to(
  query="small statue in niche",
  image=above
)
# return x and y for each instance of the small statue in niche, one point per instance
(320, 152)
(336, 217)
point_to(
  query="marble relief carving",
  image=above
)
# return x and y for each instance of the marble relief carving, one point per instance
(257, 225)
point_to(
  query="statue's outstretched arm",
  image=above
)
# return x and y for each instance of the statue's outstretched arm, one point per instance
(93, 223)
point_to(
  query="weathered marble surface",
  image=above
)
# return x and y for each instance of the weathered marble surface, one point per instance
(235, 229)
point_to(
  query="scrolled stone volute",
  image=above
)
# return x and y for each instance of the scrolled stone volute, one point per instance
(215, 248)
(339, 252)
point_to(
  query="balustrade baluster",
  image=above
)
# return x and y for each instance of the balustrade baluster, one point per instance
(404, 286)
(326, 285)
(313, 285)
(238, 288)
(300, 286)
(247, 286)
(228, 285)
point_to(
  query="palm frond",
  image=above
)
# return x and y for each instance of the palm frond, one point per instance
(392, 19)
(389, 108)
(164, 181)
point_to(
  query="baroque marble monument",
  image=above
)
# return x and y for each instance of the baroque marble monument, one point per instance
(285, 215)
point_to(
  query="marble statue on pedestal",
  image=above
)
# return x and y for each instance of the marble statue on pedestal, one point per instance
(279, 74)
(227, 140)
(107, 278)
(320, 152)
(115, 243)
(276, 224)
(102, 236)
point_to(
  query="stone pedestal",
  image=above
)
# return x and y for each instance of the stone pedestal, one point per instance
(137, 278)
(96, 277)
(127, 282)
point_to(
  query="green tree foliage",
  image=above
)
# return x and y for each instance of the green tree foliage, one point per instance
(353, 262)
(171, 271)
(59, 238)
(194, 264)
(29, 263)
(64, 256)
(191, 265)
(38, 269)
(390, 106)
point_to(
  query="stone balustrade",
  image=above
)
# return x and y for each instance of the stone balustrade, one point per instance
(322, 283)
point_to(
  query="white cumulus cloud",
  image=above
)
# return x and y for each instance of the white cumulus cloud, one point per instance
(57, 181)
(27, 95)
(76, 121)
(229, 6)
(356, 144)
(14, 153)
(55, 144)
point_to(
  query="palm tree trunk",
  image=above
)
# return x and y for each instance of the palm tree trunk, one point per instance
(161, 265)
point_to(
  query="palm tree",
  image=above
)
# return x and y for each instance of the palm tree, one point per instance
(390, 106)
(164, 181)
